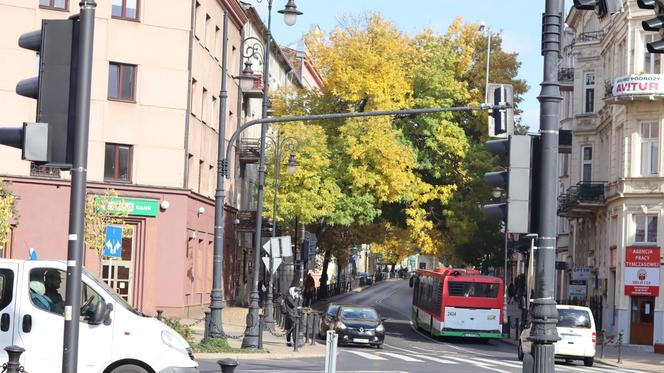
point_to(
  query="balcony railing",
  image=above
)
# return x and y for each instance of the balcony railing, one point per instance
(590, 36)
(249, 151)
(582, 199)
(566, 74)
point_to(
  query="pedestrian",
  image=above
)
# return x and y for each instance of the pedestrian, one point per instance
(309, 289)
(291, 308)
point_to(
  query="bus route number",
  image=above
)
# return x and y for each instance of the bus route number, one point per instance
(451, 313)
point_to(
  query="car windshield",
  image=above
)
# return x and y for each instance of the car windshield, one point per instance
(570, 318)
(332, 309)
(359, 313)
(472, 289)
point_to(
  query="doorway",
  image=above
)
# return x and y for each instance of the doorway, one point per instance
(118, 273)
(642, 320)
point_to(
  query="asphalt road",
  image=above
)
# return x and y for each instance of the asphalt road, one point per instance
(407, 350)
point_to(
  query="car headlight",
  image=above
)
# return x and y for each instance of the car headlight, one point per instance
(341, 325)
(174, 341)
(380, 328)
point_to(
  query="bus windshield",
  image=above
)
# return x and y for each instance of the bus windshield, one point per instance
(472, 289)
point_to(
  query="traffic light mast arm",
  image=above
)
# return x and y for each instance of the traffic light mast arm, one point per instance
(395, 113)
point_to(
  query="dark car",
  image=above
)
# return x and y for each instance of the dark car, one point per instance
(327, 321)
(359, 325)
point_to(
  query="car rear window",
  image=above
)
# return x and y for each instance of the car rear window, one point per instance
(570, 318)
(332, 309)
(472, 289)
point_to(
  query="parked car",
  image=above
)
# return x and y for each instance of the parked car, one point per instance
(576, 328)
(112, 335)
(365, 279)
(358, 325)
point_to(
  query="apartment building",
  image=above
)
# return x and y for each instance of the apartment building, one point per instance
(154, 127)
(611, 185)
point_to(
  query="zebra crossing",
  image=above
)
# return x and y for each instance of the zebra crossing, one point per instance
(485, 364)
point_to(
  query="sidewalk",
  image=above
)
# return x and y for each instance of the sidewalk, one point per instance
(633, 357)
(234, 319)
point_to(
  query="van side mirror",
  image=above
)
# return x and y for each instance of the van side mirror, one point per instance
(107, 314)
(97, 315)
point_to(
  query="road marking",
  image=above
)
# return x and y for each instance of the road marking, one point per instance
(505, 363)
(366, 355)
(402, 357)
(478, 364)
(437, 360)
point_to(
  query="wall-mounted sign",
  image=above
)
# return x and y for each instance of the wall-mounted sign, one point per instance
(130, 206)
(642, 271)
(581, 273)
(578, 289)
(632, 85)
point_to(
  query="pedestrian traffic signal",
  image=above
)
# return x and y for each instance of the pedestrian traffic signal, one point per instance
(55, 87)
(515, 180)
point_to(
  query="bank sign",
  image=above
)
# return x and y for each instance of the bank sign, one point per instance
(642, 271)
(634, 85)
(130, 206)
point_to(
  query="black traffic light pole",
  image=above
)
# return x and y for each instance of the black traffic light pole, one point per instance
(543, 312)
(78, 185)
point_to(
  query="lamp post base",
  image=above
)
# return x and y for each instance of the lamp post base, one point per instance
(250, 340)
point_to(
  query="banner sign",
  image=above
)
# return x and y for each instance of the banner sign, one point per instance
(642, 271)
(646, 84)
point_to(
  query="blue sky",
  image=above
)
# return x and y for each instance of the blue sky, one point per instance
(519, 22)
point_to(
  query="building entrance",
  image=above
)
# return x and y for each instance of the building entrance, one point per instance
(642, 320)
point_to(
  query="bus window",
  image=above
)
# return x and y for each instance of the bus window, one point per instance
(472, 289)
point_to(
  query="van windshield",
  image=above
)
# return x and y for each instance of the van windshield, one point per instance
(570, 318)
(112, 293)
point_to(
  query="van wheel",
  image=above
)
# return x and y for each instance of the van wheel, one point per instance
(129, 369)
(588, 361)
(519, 352)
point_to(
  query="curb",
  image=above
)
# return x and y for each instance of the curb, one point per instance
(509, 341)
(614, 364)
(260, 355)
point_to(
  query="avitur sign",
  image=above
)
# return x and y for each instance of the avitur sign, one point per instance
(647, 84)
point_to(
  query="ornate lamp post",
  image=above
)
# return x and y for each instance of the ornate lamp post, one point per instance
(278, 144)
(290, 16)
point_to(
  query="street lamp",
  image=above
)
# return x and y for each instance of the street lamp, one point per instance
(251, 331)
(483, 27)
(278, 144)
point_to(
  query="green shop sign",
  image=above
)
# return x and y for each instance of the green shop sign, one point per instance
(129, 206)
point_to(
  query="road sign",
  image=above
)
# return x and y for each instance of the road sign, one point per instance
(276, 262)
(279, 247)
(113, 247)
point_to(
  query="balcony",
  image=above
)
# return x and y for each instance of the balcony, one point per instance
(566, 78)
(582, 199)
(249, 151)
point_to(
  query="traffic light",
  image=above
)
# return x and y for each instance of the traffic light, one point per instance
(585, 4)
(55, 86)
(654, 24)
(603, 7)
(516, 180)
(501, 122)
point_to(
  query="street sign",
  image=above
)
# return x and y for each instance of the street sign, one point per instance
(279, 247)
(113, 246)
(276, 262)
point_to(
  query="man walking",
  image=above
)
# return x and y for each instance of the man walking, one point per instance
(291, 307)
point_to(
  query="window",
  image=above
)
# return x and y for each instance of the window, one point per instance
(54, 4)
(589, 92)
(568, 318)
(651, 61)
(125, 9)
(6, 287)
(646, 229)
(564, 165)
(201, 173)
(205, 113)
(117, 166)
(649, 148)
(586, 164)
(47, 292)
(208, 33)
(472, 289)
(121, 81)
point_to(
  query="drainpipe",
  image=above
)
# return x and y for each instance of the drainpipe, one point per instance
(185, 181)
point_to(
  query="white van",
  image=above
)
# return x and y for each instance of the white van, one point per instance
(576, 328)
(113, 337)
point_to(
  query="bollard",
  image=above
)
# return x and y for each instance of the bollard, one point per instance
(160, 315)
(14, 354)
(261, 326)
(206, 332)
(306, 328)
(509, 326)
(620, 340)
(313, 328)
(227, 365)
(331, 352)
(602, 333)
(297, 333)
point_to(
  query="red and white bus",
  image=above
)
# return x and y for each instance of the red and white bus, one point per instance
(458, 303)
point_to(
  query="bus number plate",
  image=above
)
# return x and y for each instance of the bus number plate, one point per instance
(471, 335)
